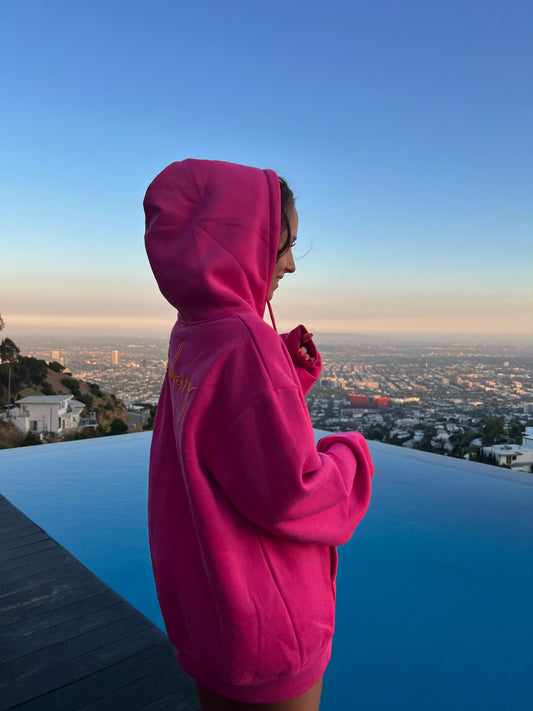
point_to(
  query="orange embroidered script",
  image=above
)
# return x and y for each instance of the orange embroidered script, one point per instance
(180, 381)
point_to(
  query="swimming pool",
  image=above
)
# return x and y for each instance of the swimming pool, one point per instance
(434, 590)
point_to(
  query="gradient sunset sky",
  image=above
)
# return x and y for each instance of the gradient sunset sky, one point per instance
(404, 127)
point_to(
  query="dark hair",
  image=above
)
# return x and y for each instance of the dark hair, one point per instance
(287, 204)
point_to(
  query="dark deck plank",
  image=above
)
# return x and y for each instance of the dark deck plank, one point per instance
(31, 559)
(43, 598)
(17, 642)
(22, 541)
(82, 646)
(54, 577)
(68, 641)
(25, 548)
(14, 530)
(61, 607)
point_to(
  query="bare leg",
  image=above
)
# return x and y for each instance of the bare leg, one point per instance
(310, 701)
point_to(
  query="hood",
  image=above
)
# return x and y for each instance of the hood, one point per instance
(212, 232)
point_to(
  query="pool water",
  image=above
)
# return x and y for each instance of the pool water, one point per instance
(433, 591)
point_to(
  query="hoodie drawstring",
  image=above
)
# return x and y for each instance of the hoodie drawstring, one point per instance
(272, 316)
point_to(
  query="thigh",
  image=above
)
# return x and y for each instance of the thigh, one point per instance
(211, 701)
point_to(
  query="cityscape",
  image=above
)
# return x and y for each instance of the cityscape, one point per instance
(453, 399)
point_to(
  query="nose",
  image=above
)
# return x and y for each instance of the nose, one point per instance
(290, 267)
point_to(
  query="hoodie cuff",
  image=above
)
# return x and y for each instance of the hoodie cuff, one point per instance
(307, 370)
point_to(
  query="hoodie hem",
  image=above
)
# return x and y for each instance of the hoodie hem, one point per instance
(268, 691)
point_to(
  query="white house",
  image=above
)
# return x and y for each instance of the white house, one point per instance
(47, 413)
(513, 455)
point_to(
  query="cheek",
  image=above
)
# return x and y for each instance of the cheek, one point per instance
(281, 263)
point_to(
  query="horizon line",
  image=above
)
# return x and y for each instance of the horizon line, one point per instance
(391, 337)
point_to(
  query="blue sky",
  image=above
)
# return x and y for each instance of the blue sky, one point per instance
(403, 127)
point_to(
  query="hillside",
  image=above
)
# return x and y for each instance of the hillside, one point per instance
(31, 376)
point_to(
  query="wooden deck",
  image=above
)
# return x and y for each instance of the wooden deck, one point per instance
(67, 641)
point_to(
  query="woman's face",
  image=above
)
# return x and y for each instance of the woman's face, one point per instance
(285, 264)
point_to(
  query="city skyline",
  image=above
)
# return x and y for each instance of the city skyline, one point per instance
(444, 398)
(404, 130)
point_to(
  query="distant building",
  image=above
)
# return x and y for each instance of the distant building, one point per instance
(363, 401)
(528, 408)
(516, 457)
(400, 434)
(527, 439)
(326, 383)
(47, 413)
(55, 355)
(114, 357)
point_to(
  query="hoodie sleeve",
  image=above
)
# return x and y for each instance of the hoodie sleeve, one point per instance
(307, 371)
(275, 476)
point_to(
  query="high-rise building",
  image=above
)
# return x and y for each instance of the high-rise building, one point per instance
(114, 357)
(55, 355)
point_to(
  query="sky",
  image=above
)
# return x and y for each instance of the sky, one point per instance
(403, 126)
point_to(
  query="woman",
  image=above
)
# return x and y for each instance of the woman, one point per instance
(245, 510)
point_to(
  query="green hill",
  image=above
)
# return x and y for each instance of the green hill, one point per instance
(32, 376)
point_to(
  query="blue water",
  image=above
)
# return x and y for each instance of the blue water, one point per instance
(433, 592)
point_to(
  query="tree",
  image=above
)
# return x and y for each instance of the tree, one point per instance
(95, 389)
(425, 443)
(31, 371)
(118, 427)
(9, 351)
(73, 385)
(47, 388)
(31, 439)
(375, 431)
(149, 424)
(477, 454)
(515, 432)
(493, 431)
(461, 441)
(88, 401)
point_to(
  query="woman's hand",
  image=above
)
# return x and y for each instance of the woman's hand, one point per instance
(302, 350)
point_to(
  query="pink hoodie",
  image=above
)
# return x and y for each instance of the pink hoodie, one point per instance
(245, 510)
